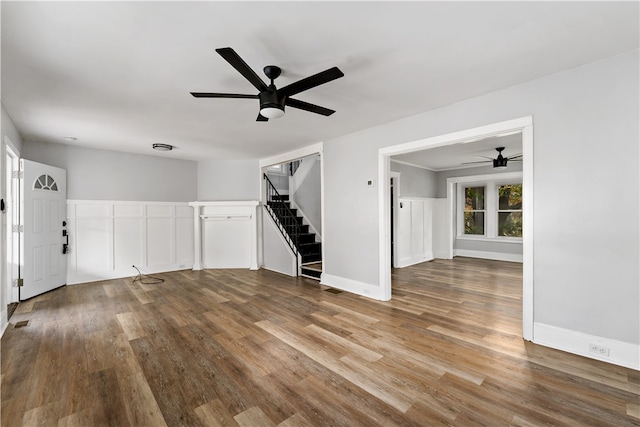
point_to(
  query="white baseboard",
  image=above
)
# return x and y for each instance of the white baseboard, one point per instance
(119, 274)
(498, 256)
(620, 353)
(406, 262)
(279, 272)
(353, 286)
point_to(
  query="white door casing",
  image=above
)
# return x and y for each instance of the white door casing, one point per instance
(43, 193)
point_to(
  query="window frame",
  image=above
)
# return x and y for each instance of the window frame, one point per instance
(491, 183)
(498, 210)
(465, 210)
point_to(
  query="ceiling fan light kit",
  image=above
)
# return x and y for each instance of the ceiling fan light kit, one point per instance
(273, 100)
(500, 162)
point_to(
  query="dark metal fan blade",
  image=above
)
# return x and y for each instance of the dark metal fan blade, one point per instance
(236, 62)
(308, 107)
(222, 95)
(473, 163)
(514, 157)
(310, 82)
(261, 118)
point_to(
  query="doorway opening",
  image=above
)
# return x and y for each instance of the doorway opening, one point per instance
(293, 213)
(525, 127)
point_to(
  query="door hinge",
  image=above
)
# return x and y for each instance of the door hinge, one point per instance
(19, 283)
(18, 228)
(17, 174)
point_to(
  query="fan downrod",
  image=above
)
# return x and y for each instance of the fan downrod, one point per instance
(272, 72)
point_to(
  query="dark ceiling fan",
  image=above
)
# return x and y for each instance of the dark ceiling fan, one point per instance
(499, 162)
(273, 100)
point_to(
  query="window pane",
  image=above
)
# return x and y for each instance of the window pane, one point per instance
(510, 197)
(474, 198)
(510, 224)
(474, 223)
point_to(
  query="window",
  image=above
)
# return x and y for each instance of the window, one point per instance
(490, 208)
(474, 211)
(510, 210)
(45, 182)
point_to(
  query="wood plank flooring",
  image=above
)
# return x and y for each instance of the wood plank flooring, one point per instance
(255, 348)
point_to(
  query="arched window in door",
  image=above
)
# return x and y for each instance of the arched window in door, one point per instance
(45, 182)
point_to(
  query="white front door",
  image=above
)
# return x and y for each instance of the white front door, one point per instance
(43, 199)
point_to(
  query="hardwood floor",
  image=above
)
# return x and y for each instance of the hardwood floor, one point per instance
(255, 348)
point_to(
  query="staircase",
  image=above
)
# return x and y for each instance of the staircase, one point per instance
(305, 242)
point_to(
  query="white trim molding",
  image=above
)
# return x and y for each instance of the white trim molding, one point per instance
(498, 256)
(309, 150)
(613, 351)
(353, 286)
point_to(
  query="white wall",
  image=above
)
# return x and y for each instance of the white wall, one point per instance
(94, 174)
(228, 180)
(278, 256)
(441, 177)
(279, 181)
(9, 129)
(585, 260)
(107, 238)
(414, 181)
(307, 196)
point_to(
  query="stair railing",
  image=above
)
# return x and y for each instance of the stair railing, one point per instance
(293, 166)
(287, 222)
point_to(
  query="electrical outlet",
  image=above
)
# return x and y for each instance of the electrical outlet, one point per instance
(599, 349)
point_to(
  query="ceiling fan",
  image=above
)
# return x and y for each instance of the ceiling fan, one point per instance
(273, 100)
(499, 162)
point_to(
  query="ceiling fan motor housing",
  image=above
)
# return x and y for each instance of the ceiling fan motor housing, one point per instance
(500, 162)
(269, 99)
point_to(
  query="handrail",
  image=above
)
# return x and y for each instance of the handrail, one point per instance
(286, 220)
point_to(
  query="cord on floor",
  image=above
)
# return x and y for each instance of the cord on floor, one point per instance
(145, 279)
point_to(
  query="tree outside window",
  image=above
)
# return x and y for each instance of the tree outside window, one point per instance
(510, 210)
(474, 210)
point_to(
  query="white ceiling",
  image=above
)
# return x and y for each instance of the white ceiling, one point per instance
(117, 75)
(452, 156)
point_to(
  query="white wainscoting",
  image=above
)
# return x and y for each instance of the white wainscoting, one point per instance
(414, 240)
(225, 234)
(106, 238)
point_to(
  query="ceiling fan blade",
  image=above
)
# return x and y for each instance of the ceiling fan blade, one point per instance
(483, 157)
(308, 107)
(514, 157)
(261, 118)
(236, 62)
(515, 160)
(473, 163)
(311, 82)
(222, 95)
